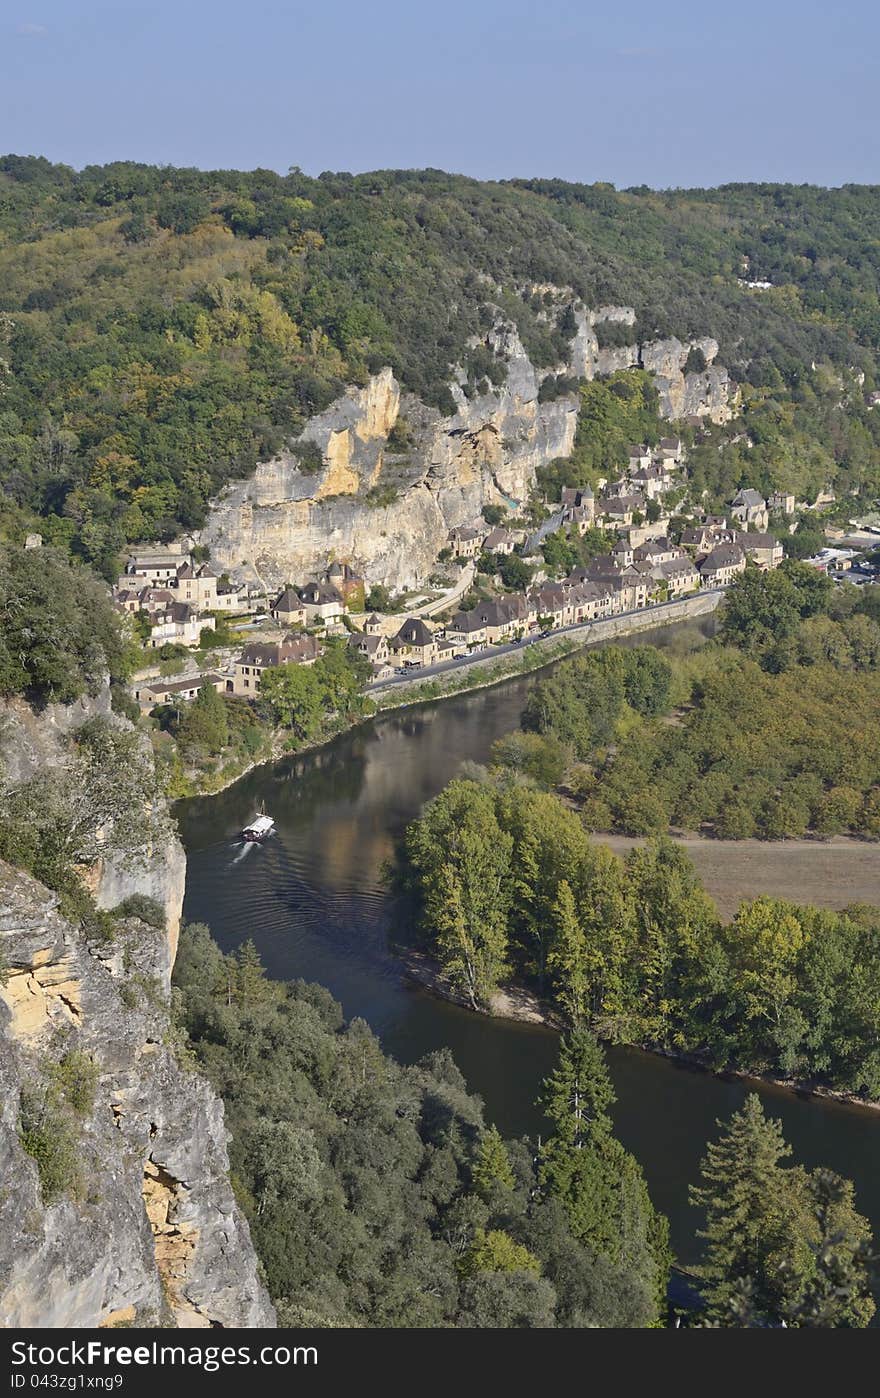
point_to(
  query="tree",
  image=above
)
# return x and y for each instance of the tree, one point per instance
(462, 860)
(599, 1184)
(541, 757)
(516, 574)
(578, 1094)
(569, 959)
(496, 1251)
(203, 724)
(765, 944)
(746, 1207)
(103, 801)
(60, 637)
(295, 697)
(783, 1246)
(491, 1171)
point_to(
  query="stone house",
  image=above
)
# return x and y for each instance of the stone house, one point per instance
(493, 622)
(467, 630)
(198, 586)
(620, 509)
(154, 600)
(720, 567)
(639, 455)
(348, 583)
(465, 542)
(656, 551)
(499, 541)
(670, 449)
(155, 692)
(126, 599)
(373, 648)
(415, 643)
(288, 608)
(782, 502)
(765, 550)
(155, 562)
(323, 603)
(260, 656)
(706, 537)
(750, 508)
(652, 481)
(679, 574)
(177, 624)
(578, 508)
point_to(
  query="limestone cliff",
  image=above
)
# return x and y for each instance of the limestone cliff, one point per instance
(31, 741)
(145, 1228)
(131, 1217)
(387, 507)
(389, 511)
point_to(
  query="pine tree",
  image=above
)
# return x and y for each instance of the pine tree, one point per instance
(748, 1208)
(569, 958)
(578, 1094)
(251, 986)
(491, 1169)
(599, 1184)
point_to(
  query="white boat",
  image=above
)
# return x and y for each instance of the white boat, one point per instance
(261, 826)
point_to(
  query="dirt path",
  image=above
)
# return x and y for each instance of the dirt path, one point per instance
(830, 874)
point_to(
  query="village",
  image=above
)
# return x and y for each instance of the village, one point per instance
(655, 549)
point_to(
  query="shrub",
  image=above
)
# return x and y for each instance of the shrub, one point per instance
(309, 457)
(47, 1135)
(145, 909)
(76, 1078)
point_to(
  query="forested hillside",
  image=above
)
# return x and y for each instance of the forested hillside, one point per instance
(162, 330)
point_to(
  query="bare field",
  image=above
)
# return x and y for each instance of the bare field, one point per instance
(829, 874)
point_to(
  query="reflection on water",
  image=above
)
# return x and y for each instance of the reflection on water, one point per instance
(313, 900)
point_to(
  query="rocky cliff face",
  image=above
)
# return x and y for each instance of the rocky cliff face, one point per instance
(121, 1209)
(387, 510)
(145, 1227)
(31, 741)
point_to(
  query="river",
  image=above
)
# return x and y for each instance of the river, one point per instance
(312, 899)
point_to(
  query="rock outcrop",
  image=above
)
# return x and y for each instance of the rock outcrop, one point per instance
(32, 741)
(387, 508)
(144, 1226)
(388, 511)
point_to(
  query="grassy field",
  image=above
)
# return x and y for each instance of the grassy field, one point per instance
(829, 874)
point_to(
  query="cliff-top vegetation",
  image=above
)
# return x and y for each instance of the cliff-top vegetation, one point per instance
(162, 330)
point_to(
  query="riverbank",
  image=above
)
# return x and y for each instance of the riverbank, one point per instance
(491, 670)
(484, 673)
(520, 1005)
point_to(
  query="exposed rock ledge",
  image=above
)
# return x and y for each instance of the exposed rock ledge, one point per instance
(153, 1233)
(389, 512)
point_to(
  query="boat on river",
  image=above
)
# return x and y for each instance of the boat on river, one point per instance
(260, 828)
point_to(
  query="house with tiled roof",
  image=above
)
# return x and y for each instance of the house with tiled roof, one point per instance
(750, 508)
(414, 644)
(763, 549)
(323, 602)
(721, 566)
(263, 655)
(677, 576)
(288, 608)
(465, 541)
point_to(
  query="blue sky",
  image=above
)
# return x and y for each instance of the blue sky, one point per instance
(666, 94)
